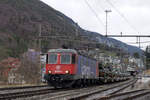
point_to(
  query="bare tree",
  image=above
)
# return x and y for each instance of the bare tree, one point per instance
(30, 69)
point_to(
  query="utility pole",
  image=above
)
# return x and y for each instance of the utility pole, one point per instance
(139, 43)
(107, 11)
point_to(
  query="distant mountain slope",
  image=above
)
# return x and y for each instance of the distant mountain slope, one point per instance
(19, 27)
(113, 43)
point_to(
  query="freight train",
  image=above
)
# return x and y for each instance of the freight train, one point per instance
(68, 68)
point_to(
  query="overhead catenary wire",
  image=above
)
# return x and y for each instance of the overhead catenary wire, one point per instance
(94, 12)
(98, 2)
(140, 42)
(111, 3)
(67, 39)
(99, 7)
(122, 15)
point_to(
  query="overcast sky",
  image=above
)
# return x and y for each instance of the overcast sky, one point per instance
(127, 16)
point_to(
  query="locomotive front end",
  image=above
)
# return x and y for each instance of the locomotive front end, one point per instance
(60, 68)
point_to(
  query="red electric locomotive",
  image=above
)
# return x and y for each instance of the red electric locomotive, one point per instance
(66, 68)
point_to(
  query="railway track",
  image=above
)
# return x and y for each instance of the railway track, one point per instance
(131, 95)
(56, 94)
(100, 92)
(103, 92)
(71, 94)
(21, 87)
(27, 93)
(61, 95)
(86, 93)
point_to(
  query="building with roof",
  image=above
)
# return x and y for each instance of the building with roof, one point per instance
(6, 66)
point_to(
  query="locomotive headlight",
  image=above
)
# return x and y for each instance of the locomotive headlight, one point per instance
(50, 72)
(66, 71)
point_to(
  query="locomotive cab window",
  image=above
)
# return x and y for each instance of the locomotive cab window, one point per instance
(65, 59)
(52, 58)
